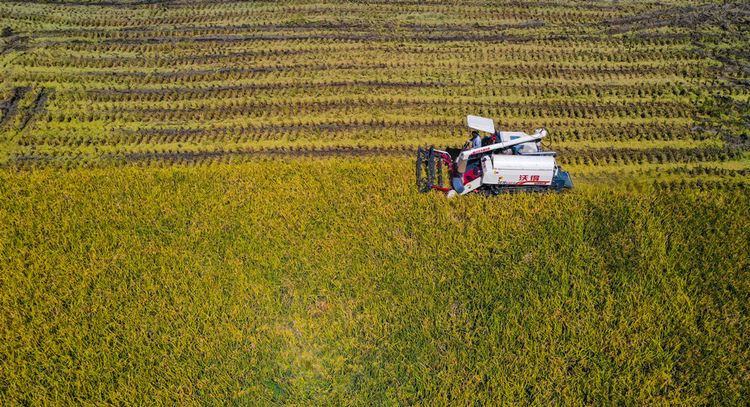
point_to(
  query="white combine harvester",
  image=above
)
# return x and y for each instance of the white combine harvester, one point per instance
(506, 162)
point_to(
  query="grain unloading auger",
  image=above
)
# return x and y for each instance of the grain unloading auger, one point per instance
(505, 162)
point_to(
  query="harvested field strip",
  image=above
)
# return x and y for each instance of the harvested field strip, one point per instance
(541, 68)
(311, 75)
(373, 131)
(430, 38)
(239, 77)
(539, 93)
(275, 18)
(580, 159)
(702, 185)
(179, 158)
(591, 110)
(175, 54)
(708, 170)
(639, 156)
(666, 51)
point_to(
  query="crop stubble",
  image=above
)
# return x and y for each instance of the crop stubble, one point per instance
(351, 76)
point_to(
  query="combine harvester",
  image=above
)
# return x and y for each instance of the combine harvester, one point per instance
(507, 162)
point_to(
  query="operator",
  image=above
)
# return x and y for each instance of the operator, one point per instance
(476, 141)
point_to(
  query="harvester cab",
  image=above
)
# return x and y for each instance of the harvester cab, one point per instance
(505, 162)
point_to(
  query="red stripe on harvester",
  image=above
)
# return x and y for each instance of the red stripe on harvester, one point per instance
(444, 189)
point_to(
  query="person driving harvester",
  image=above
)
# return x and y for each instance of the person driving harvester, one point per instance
(476, 141)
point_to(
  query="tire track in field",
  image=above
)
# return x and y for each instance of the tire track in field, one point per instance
(37, 107)
(9, 107)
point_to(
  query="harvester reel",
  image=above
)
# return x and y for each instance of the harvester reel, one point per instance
(429, 169)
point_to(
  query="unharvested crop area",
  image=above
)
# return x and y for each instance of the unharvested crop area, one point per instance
(221, 284)
(213, 203)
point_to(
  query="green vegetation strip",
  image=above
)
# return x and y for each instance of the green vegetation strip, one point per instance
(332, 282)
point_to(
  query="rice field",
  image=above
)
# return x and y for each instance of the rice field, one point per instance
(213, 203)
